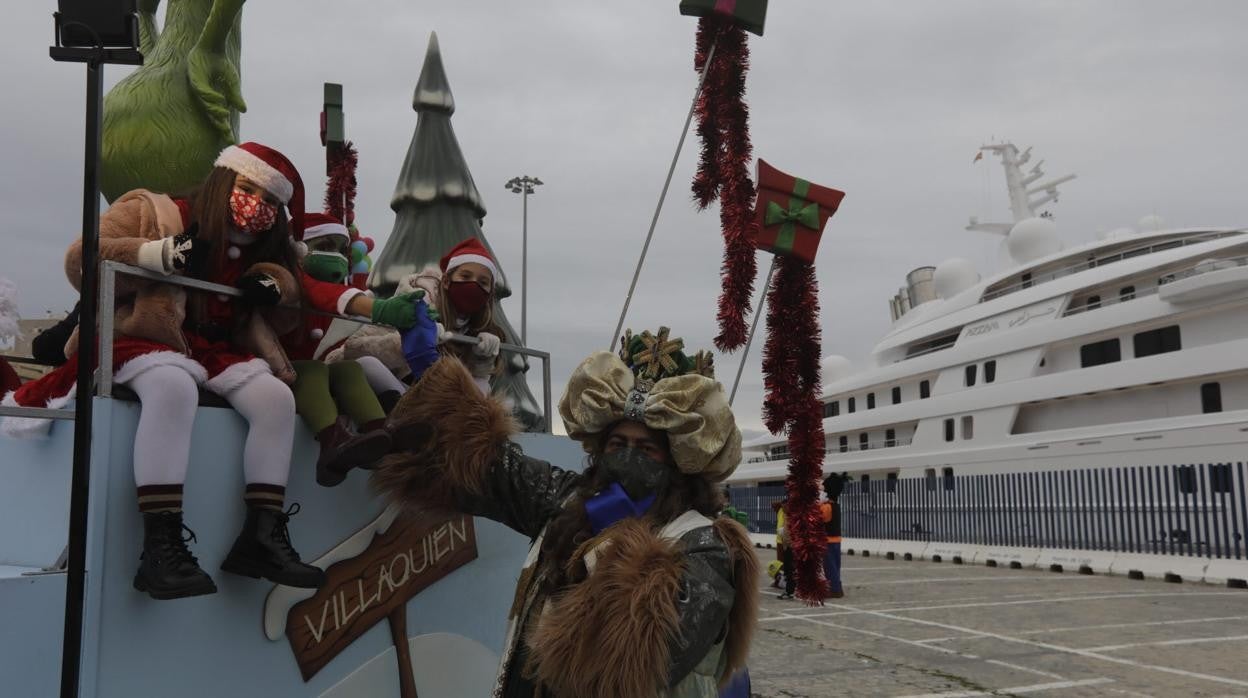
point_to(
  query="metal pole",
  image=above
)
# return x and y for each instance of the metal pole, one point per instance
(758, 313)
(71, 648)
(524, 270)
(710, 55)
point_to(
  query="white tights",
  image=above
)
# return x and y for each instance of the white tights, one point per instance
(379, 378)
(169, 398)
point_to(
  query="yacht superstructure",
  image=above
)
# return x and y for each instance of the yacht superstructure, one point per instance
(1128, 351)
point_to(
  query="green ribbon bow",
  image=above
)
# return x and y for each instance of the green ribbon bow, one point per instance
(799, 211)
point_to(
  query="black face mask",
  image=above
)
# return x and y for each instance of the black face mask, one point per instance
(637, 473)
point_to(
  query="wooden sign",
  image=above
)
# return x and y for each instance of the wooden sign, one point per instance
(413, 553)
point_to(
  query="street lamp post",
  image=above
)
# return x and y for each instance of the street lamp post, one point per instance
(524, 186)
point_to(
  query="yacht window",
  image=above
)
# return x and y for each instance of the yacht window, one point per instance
(925, 390)
(844, 444)
(1093, 302)
(1210, 397)
(897, 395)
(890, 438)
(863, 443)
(929, 477)
(970, 375)
(1098, 353)
(1158, 341)
(968, 427)
(948, 478)
(890, 483)
(836, 408)
(1185, 479)
(829, 409)
(948, 430)
(990, 371)
(1220, 479)
(870, 401)
(849, 405)
(1026, 280)
(1126, 293)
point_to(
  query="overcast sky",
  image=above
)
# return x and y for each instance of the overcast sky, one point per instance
(887, 101)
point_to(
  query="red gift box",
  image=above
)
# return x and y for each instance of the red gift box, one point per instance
(791, 213)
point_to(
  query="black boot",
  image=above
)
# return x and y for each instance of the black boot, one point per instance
(388, 400)
(341, 451)
(263, 549)
(167, 569)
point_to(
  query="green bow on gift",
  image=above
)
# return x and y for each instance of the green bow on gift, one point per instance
(807, 215)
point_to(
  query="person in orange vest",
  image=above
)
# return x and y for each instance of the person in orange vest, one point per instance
(831, 511)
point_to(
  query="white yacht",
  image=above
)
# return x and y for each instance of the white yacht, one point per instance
(1128, 351)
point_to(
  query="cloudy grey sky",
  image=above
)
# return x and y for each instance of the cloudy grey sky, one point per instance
(886, 100)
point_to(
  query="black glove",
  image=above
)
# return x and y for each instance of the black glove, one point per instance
(189, 253)
(260, 289)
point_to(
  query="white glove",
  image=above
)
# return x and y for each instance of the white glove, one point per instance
(156, 255)
(444, 335)
(488, 345)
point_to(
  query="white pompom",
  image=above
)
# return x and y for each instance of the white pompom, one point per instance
(301, 248)
(317, 333)
(233, 252)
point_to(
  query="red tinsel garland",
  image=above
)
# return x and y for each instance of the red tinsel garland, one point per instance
(723, 170)
(340, 190)
(791, 376)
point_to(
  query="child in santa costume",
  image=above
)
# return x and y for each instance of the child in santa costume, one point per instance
(330, 396)
(232, 231)
(633, 586)
(461, 289)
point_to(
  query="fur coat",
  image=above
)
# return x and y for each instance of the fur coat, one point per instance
(154, 311)
(665, 611)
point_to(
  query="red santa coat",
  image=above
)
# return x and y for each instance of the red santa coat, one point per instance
(327, 297)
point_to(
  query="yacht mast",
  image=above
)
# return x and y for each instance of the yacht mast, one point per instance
(1019, 185)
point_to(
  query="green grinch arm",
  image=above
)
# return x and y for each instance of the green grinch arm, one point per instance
(149, 33)
(213, 77)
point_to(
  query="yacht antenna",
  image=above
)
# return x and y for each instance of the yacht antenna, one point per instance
(1021, 187)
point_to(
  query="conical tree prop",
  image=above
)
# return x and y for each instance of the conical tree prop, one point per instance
(437, 205)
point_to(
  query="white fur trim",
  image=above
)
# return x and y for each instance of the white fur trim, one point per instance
(152, 255)
(258, 171)
(326, 229)
(466, 258)
(142, 363)
(32, 427)
(345, 299)
(237, 376)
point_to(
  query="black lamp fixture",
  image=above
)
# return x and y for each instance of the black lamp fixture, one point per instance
(106, 31)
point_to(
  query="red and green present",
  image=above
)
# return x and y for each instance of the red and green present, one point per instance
(750, 14)
(791, 213)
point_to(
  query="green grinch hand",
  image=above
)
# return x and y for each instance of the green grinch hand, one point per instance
(217, 87)
(398, 312)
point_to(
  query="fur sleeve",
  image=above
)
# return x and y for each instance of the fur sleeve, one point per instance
(611, 636)
(286, 282)
(125, 226)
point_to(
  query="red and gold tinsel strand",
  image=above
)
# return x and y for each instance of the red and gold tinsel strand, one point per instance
(723, 169)
(340, 190)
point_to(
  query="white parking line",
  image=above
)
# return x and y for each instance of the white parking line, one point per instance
(1051, 600)
(1034, 688)
(968, 578)
(1058, 648)
(1019, 667)
(1183, 621)
(1166, 643)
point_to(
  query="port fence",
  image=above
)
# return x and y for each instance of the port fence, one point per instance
(1190, 510)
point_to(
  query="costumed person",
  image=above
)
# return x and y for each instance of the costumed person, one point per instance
(232, 231)
(633, 586)
(49, 345)
(461, 291)
(330, 396)
(830, 511)
(784, 543)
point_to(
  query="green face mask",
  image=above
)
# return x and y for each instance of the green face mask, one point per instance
(326, 266)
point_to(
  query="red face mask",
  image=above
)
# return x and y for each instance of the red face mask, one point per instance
(468, 297)
(251, 213)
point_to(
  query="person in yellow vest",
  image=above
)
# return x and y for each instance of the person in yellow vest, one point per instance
(831, 511)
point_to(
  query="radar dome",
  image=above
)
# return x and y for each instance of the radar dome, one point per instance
(1033, 238)
(1150, 223)
(954, 276)
(835, 367)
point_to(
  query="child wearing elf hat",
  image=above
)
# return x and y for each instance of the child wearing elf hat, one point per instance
(233, 230)
(632, 544)
(329, 396)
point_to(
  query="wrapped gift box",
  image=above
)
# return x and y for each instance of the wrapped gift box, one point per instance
(791, 213)
(750, 14)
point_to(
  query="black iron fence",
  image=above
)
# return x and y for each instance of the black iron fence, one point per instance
(1194, 510)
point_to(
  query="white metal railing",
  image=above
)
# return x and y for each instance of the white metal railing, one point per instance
(1108, 259)
(1205, 266)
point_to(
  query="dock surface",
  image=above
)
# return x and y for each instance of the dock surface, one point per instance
(918, 628)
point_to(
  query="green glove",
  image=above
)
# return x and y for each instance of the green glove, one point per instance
(399, 312)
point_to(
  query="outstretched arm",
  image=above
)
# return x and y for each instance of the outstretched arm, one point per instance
(213, 78)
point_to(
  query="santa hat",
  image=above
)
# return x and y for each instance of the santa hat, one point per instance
(319, 225)
(470, 250)
(273, 172)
